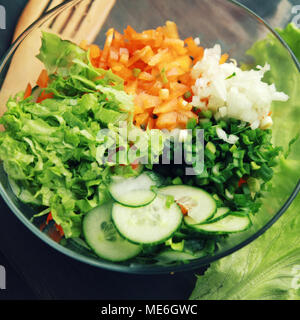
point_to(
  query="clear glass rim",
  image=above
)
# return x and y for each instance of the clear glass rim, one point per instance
(140, 269)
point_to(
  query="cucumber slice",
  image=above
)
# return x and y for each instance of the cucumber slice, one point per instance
(151, 224)
(229, 224)
(200, 205)
(172, 256)
(220, 213)
(133, 192)
(102, 236)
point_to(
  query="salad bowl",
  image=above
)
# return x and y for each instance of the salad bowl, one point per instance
(248, 40)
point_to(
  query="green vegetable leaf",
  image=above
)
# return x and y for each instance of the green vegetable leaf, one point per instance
(291, 35)
(125, 101)
(57, 55)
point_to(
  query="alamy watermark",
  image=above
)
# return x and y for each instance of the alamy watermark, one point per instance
(2, 18)
(2, 278)
(125, 145)
(296, 15)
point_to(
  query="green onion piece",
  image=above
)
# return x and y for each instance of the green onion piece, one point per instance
(190, 182)
(246, 139)
(136, 72)
(231, 76)
(233, 148)
(191, 124)
(207, 114)
(187, 95)
(254, 165)
(228, 195)
(177, 246)
(169, 201)
(177, 181)
(254, 184)
(203, 121)
(164, 76)
(202, 181)
(216, 197)
(265, 172)
(211, 147)
(216, 169)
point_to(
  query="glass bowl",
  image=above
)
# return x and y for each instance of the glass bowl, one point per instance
(226, 22)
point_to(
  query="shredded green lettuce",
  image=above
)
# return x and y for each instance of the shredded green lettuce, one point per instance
(57, 54)
(58, 153)
(50, 150)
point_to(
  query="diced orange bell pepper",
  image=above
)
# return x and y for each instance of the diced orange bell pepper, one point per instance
(184, 210)
(182, 120)
(95, 51)
(171, 30)
(131, 87)
(28, 91)
(146, 76)
(43, 79)
(189, 114)
(151, 123)
(224, 58)
(166, 107)
(107, 45)
(159, 57)
(141, 119)
(149, 101)
(195, 51)
(113, 54)
(177, 89)
(175, 44)
(44, 96)
(84, 45)
(144, 54)
(166, 120)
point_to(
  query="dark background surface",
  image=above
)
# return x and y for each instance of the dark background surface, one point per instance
(36, 271)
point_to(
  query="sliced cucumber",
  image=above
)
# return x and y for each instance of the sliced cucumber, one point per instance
(229, 224)
(200, 205)
(220, 213)
(172, 256)
(151, 224)
(102, 236)
(133, 192)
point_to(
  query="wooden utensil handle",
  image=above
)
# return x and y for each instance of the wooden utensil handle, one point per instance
(24, 66)
(33, 10)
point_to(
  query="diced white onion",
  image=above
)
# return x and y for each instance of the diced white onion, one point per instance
(232, 92)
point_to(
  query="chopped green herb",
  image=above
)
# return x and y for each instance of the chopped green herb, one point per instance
(164, 76)
(191, 124)
(136, 72)
(177, 181)
(207, 113)
(231, 76)
(187, 95)
(169, 201)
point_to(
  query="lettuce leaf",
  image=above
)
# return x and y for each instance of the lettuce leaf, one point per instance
(72, 74)
(57, 54)
(49, 149)
(54, 152)
(49, 152)
(291, 35)
(268, 268)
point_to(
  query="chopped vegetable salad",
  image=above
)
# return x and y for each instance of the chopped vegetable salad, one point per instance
(93, 145)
